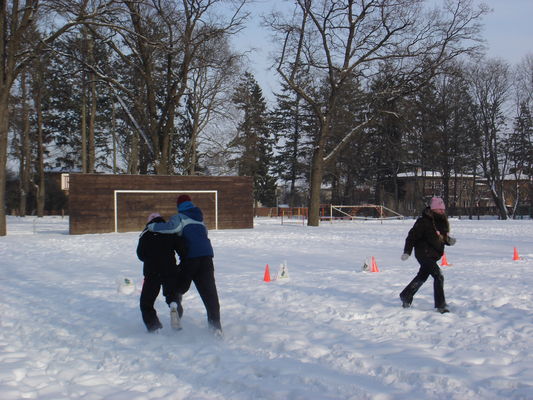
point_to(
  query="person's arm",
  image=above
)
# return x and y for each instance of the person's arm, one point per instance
(141, 252)
(180, 247)
(174, 225)
(449, 240)
(412, 237)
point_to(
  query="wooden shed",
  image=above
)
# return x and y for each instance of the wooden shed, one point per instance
(121, 203)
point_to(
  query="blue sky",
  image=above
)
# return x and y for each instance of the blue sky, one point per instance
(508, 31)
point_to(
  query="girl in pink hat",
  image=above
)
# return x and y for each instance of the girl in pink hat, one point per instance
(428, 236)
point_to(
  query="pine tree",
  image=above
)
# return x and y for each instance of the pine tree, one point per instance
(253, 143)
(521, 142)
(445, 139)
(64, 114)
(521, 153)
(292, 124)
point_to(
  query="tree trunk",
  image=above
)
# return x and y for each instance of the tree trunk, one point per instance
(91, 152)
(317, 173)
(40, 187)
(114, 135)
(133, 161)
(4, 122)
(191, 153)
(84, 168)
(473, 196)
(25, 150)
(91, 146)
(497, 197)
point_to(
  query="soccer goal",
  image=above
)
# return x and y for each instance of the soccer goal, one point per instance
(361, 212)
(294, 219)
(119, 193)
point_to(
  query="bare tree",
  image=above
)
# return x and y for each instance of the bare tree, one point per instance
(490, 86)
(17, 20)
(523, 80)
(161, 44)
(336, 40)
(211, 84)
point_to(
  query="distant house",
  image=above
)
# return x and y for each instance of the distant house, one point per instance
(467, 194)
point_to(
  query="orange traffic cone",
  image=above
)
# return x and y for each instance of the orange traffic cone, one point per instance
(515, 255)
(374, 267)
(444, 261)
(267, 274)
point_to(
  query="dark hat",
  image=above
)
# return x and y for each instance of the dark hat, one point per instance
(182, 198)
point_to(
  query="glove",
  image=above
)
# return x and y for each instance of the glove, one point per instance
(451, 241)
(404, 256)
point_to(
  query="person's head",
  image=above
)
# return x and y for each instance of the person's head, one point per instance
(182, 198)
(184, 202)
(153, 217)
(437, 205)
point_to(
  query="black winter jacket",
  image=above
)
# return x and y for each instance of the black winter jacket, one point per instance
(428, 236)
(157, 251)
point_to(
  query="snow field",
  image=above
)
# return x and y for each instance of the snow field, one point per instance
(329, 332)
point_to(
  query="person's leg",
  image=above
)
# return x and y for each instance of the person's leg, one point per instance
(204, 280)
(438, 287)
(149, 293)
(172, 296)
(168, 281)
(181, 283)
(410, 290)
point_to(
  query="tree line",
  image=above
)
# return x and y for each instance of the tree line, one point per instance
(367, 90)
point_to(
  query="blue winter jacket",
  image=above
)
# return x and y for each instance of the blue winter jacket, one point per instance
(188, 223)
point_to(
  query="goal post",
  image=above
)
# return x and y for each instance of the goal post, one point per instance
(116, 194)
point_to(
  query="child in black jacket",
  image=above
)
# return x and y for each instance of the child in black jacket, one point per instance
(428, 236)
(197, 266)
(157, 251)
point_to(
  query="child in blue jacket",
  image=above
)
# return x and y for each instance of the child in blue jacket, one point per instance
(197, 266)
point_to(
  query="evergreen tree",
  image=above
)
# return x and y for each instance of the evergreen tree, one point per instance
(445, 134)
(292, 124)
(521, 142)
(65, 117)
(253, 143)
(521, 153)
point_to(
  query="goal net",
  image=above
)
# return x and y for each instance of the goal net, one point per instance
(361, 212)
(128, 203)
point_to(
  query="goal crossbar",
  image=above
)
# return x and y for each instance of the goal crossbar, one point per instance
(117, 192)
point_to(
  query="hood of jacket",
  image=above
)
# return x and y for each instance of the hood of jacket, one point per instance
(191, 211)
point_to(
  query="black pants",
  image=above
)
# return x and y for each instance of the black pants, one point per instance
(151, 287)
(201, 271)
(427, 268)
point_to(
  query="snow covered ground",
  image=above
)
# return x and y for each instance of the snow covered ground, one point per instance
(329, 332)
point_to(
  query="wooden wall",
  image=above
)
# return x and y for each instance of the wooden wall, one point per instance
(92, 201)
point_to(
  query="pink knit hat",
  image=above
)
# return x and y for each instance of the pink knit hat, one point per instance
(437, 204)
(153, 216)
